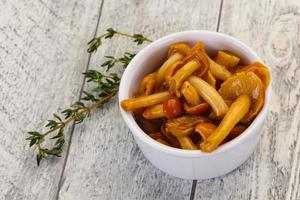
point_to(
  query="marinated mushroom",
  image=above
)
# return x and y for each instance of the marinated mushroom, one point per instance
(210, 95)
(183, 126)
(238, 109)
(244, 83)
(176, 53)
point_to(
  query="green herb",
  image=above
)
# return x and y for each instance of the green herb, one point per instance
(105, 86)
(111, 61)
(110, 33)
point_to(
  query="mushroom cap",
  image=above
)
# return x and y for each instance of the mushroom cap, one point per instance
(260, 70)
(244, 83)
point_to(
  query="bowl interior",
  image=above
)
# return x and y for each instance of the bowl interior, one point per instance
(152, 56)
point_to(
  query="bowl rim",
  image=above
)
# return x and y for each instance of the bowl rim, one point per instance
(138, 132)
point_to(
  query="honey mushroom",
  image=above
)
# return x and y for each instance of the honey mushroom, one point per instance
(194, 106)
(176, 53)
(217, 70)
(210, 95)
(210, 79)
(256, 95)
(205, 129)
(147, 85)
(196, 110)
(144, 101)
(236, 112)
(182, 127)
(194, 62)
(260, 70)
(187, 143)
(228, 60)
(154, 112)
(244, 83)
(190, 94)
(181, 75)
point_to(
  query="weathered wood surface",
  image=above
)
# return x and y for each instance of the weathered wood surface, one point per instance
(42, 56)
(271, 28)
(104, 162)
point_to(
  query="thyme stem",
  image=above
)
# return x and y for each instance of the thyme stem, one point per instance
(110, 33)
(83, 110)
(132, 36)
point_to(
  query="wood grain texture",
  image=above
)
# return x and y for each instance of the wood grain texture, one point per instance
(271, 28)
(104, 162)
(42, 56)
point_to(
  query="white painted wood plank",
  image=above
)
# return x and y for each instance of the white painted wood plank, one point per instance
(271, 28)
(42, 56)
(104, 162)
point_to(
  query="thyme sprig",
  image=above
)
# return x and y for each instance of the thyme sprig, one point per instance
(124, 61)
(76, 113)
(110, 33)
(105, 86)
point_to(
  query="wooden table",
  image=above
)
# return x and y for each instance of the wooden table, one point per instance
(42, 57)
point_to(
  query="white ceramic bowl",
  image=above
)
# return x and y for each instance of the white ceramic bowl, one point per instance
(190, 164)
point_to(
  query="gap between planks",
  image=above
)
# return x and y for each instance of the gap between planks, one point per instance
(80, 95)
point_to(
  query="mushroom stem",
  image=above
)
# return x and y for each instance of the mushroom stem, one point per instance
(154, 112)
(182, 74)
(144, 101)
(236, 112)
(190, 94)
(186, 143)
(210, 95)
(163, 69)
